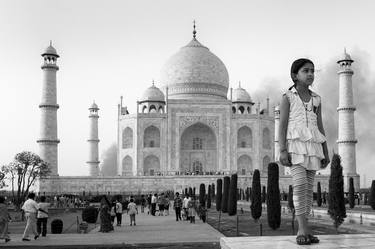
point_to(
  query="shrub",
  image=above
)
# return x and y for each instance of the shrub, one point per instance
(219, 194)
(213, 190)
(202, 194)
(256, 197)
(336, 200)
(319, 195)
(209, 196)
(351, 193)
(232, 198)
(56, 226)
(90, 214)
(372, 195)
(224, 202)
(273, 197)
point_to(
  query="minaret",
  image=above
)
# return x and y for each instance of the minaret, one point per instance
(48, 140)
(346, 137)
(93, 140)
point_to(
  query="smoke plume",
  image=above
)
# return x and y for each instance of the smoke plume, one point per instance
(109, 165)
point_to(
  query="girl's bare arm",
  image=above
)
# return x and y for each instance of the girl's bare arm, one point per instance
(284, 117)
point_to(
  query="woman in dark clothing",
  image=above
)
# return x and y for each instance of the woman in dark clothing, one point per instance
(105, 216)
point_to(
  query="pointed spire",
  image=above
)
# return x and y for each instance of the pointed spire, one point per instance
(194, 31)
(153, 82)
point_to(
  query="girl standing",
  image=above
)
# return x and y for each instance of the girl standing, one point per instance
(302, 142)
(132, 211)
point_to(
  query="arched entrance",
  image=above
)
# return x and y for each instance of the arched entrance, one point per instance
(198, 149)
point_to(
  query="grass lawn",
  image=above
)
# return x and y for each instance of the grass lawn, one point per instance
(248, 227)
(69, 218)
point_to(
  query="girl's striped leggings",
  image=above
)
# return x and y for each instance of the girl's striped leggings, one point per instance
(303, 182)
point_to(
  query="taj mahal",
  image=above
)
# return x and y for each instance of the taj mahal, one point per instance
(189, 128)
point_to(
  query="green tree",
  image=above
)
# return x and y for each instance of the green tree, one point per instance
(2, 180)
(224, 202)
(372, 195)
(26, 168)
(264, 194)
(273, 197)
(256, 197)
(232, 198)
(319, 195)
(351, 193)
(219, 194)
(336, 200)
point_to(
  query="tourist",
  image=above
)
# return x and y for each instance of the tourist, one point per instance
(143, 203)
(177, 204)
(185, 205)
(132, 211)
(4, 220)
(41, 223)
(192, 209)
(149, 197)
(302, 142)
(161, 201)
(118, 212)
(30, 207)
(105, 216)
(153, 204)
(166, 205)
(113, 212)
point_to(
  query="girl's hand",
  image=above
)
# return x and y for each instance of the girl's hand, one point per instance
(285, 158)
(325, 161)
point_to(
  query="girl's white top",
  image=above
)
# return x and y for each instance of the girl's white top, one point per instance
(304, 140)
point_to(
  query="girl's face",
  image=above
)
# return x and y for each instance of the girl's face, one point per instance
(305, 74)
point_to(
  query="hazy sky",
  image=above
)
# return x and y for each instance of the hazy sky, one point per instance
(113, 48)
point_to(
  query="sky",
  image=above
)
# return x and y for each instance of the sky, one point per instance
(113, 48)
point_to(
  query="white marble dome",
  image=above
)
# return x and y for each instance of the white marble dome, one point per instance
(153, 94)
(50, 51)
(195, 72)
(240, 95)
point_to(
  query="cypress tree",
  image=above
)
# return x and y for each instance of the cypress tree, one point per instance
(273, 197)
(372, 195)
(319, 195)
(194, 192)
(264, 194)
(256, 197)
(202, 194)
(186, 191)
(209, 196)
(219, 194)
(233, 194)
(224, 202)
(351, 193)
(336, 200)
(190, 192)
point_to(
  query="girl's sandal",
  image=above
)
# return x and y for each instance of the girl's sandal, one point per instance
(313, 239)
(303, 240)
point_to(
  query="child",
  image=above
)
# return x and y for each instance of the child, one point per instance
(132, 211)
(41, 223)
(302, 142)
(191, 210)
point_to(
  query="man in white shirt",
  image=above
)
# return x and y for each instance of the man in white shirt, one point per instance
(118, 212)
(42, 217)
(185, 205)
(30, 207)
(153, 204)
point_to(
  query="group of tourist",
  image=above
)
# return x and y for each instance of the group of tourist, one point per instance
(36, 215)
(111, 211)
(162, 202)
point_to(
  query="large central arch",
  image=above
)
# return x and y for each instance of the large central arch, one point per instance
(198, 149)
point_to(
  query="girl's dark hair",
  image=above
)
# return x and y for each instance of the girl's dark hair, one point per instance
(296, 66)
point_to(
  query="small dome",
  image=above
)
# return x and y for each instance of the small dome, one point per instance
(153, 94)
(50, 51)
(94, 106)
(346, 57)
(240, 95)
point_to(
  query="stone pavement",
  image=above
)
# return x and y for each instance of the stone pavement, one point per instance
(149, 229)
(357, 241)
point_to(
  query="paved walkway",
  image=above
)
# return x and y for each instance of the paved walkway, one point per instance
(149, 229)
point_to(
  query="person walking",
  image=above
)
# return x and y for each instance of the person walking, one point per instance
(192, 209)
(42, 217)
(149, 197)
(154, 199)
(177, 204)
(185, 205)
(4, 220)
(302, 142)
(132, 211)
(105, 216)
(30, 207)
(118, 212)
(113, 212)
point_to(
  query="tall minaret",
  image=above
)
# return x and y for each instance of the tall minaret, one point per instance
(346, 137)
(48, 140)
(93, 140)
